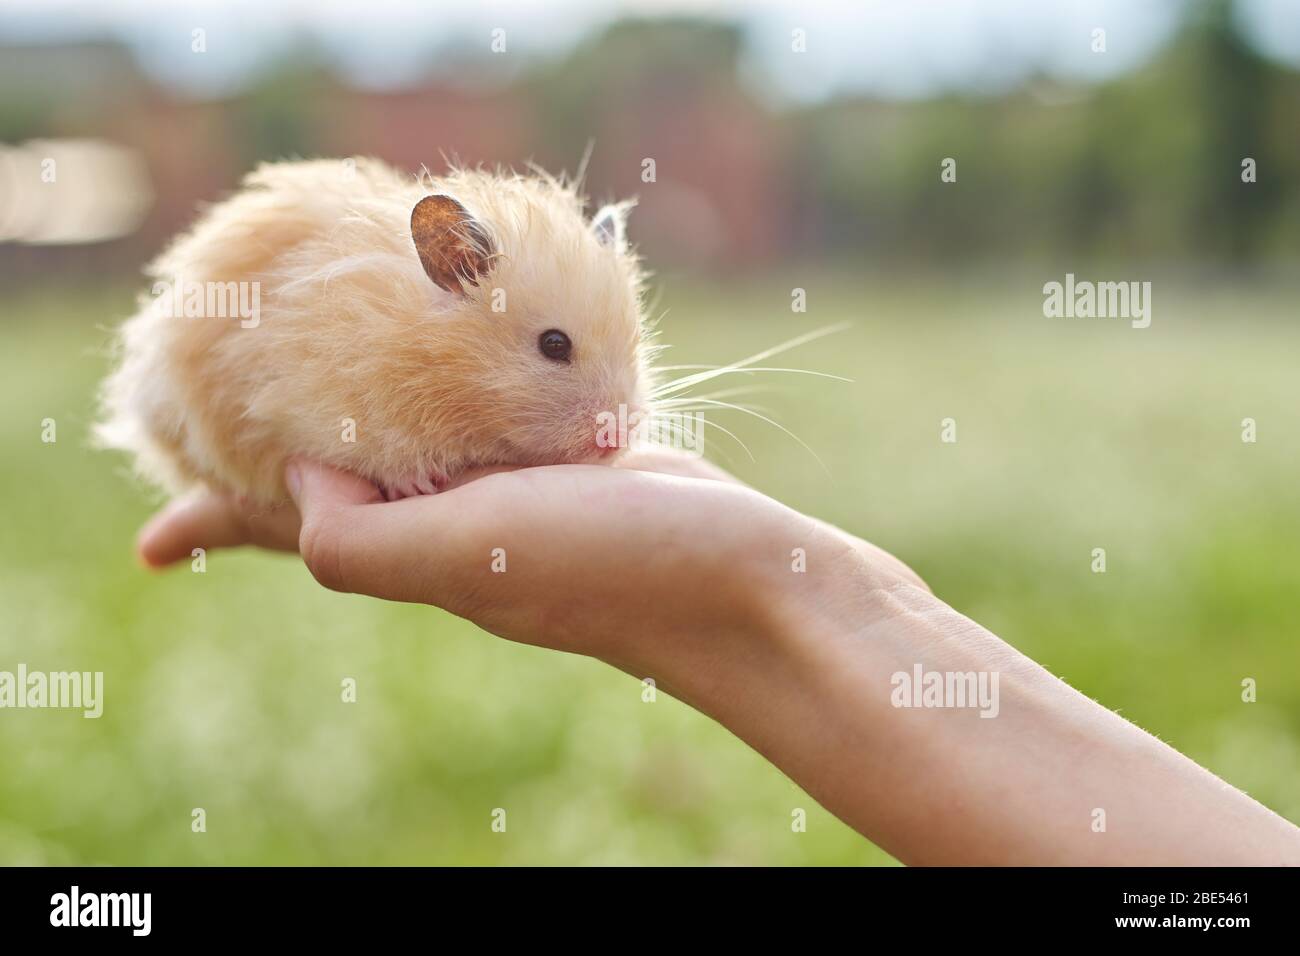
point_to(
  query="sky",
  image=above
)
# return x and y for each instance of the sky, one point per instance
(886, 48)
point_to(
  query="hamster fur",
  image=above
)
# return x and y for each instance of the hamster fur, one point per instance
(359, 323)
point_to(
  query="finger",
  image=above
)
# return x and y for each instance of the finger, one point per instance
(465, 477)
(669, 461)
(416, 549)
(351, 538)
(203, 520)
(208, 520)
(317, 489)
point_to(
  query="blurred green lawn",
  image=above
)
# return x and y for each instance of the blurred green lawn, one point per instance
(223, 689)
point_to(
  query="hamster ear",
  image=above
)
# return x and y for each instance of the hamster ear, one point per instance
(453, 247)
(609, 227)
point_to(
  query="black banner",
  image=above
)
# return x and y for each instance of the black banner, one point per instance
(331, 906)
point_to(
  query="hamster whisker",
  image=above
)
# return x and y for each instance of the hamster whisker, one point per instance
(724, 393)
(711, 447)
(681, 432)
(688, 409)
(747, 364)
(772, 422)
(688, 380)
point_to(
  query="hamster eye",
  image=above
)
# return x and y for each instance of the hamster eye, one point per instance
(555, 345)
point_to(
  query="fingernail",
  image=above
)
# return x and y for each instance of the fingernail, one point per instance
(142, 550)
(293, 478)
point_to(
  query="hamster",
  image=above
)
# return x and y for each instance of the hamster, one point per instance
(401, 328)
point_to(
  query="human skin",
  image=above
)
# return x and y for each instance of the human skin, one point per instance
(667, 569)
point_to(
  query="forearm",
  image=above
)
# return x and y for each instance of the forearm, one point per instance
(1048, 777)
(790, 633)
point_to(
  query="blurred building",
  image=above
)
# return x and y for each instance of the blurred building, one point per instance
(1144, 165)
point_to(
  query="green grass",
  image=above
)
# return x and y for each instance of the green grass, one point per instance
(223, 688)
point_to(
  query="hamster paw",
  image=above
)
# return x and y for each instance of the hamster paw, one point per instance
(412, 488)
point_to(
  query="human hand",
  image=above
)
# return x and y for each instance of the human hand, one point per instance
(681, 574)
(648, 565)
(211, 519)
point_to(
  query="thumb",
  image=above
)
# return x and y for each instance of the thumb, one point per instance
(415, 549)
(330, 503)
(316, 488)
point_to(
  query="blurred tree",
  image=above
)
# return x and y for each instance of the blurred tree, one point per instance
(1144, 166)
(1235, 92)
(286, 109)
